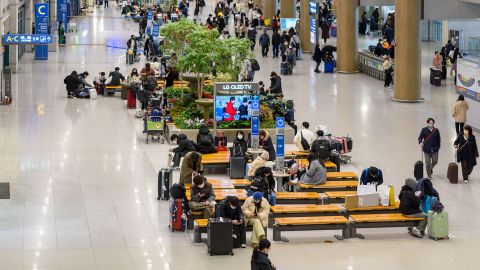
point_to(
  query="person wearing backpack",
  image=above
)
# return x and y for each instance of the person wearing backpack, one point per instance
(304, 138)
(264, 182)
(429, 140)
(205, 141)
(252, 36)
(371, 175)
(265, 43)
(467, 151)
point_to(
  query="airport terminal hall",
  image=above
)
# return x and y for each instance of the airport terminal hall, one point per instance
(239, 134)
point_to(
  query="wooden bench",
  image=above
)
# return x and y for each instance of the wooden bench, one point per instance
(311, 224)
(373, 210)
(237, 183)
(216, 185)
(298, 198)
(330, 186)
(303, 210)
(200, 226)
(330, 166)
(342, 176)
(219, 160)
(220, 194)
(380, 221)
(297, 154)
(336, 196)
(112, 89)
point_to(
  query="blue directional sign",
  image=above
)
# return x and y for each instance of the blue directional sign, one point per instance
(41, 27)
(17, 39)
(280, 146)
(255, 104)
(62, 12)
(280, 122)
(255, 125)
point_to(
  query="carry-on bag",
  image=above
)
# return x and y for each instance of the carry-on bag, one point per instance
(220, 240)
(427, 202)
(452, 173)
(177, 222)
(164, 183)
(93, 93)
(237, 236)
(237, 167)
(131, 99)
(329, 67)
(435, 77)
(437, 225)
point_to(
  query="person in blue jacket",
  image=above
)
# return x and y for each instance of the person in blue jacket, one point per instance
(429, 140)
(371, 175)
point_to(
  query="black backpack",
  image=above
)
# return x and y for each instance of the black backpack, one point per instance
(237, 150)
(254, 64)
(322, 149)
(204, 139)
(257, 185)
(178, 191)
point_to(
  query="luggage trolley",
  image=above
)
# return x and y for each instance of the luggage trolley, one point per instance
(155, 127)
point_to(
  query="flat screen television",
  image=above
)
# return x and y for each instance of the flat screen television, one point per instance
(231, 108)
(287, 23)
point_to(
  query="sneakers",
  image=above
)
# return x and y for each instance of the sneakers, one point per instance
(416, 232)
(243, 246)
(465, 181)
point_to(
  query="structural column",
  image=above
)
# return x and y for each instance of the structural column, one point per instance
(270, 9)
(407, 51)
(304, 25)
(347, 36)
(13, 28)
(287, 8)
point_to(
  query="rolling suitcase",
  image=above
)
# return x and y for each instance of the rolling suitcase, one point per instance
(237, 167)
(131, 100)
(328, 67)
(220, 233)
(437, 225)
(452, 173)
(435, 77)
(237, 237)
(124, 93)
(177, 222)
(164, 183)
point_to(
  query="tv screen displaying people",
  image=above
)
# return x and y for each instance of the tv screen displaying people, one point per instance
(234, 107)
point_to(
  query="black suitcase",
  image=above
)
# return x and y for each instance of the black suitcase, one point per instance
(220, 241)
(418, 170)
(435, 77)
(164, 183)
(237, 167)
(349, 143)
(237, 236)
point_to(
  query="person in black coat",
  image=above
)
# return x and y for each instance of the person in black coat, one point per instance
(317, 57)
(410, 206)
(266, 144)
(230, 208)
(72, 84)
(260, 260)
(276, 84)
(276, 41)
(429, 140)
(467, 151)
(241, 142)
(379, 50)
(184, 146)
(172, 75)
(205, 141)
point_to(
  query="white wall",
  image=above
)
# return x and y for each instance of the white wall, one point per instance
(451, 9)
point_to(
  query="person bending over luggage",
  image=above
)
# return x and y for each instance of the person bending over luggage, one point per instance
(72, 84)
(264, 182)
(230, 208)
(184, 146)
(190, 167)
(205, 142)
(467, 151)
(371, 175)
(410, 207)
(315, 174)
(266, 144)
(258, 162)
(202, 197)
(304, 138)
(240, 144)
(260, 260)
(83, 92)
(255, 210)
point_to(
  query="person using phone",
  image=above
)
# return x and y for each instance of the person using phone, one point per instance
(202, 197)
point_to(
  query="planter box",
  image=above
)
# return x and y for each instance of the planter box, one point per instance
(230, 133)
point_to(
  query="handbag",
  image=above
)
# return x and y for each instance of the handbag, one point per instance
(303, 141)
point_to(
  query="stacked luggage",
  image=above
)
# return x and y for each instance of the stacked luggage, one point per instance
(341, 146)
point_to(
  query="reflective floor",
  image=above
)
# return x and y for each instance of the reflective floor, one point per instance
(84, 182)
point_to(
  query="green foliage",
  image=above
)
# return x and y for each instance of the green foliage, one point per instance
(232, 51)
(173, 92)
(233, 124)
(200, 51)
(177, 35)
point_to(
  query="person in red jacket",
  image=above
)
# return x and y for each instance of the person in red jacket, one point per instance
(230, 110)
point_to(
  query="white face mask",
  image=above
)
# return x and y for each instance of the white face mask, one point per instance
(201, 186)
(240, 137)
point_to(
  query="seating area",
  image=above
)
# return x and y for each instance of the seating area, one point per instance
(219, 160)
(380, 221)
(330, 186)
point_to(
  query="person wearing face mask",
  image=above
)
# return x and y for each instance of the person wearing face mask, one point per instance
(276, 84)
(202, 197)
(240, 142)
(429, 141)
(260, 260)
(133, 77)
(255, 211)
(467, 151)
(266, 144)
(184, 146)
(230, 208)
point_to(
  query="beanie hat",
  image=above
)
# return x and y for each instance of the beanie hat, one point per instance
(411, 183)
(257, 196)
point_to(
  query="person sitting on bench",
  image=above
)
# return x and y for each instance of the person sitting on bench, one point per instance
(184, 146)
(266, 144)
(264, 182)
(205, 142)
(230, 208)
(190, 167)
(371, 175)
(315, 174)
(410, 207)
(202, 197)
(258, 162)
(256, 210)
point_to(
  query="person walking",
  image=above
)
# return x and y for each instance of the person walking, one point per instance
(317, 57)
(105, 3)
(456, 55)
(429, 140)
(265, 43)
(467, 151)
(252, 36)
(388, 68)
(260, 260)
(325, 31)
(276, 41)
(459, 113)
